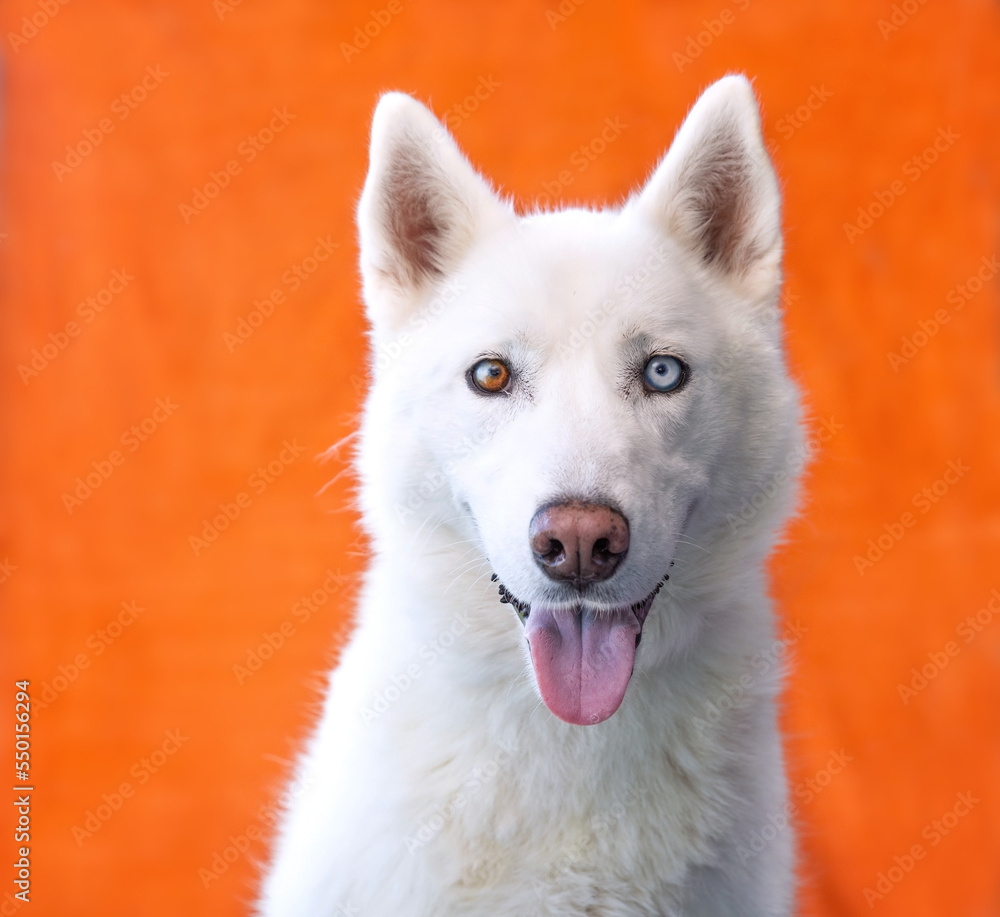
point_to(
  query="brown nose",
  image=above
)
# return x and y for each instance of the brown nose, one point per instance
(579, 542)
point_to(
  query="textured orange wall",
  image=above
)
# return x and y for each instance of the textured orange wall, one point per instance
(213, 75)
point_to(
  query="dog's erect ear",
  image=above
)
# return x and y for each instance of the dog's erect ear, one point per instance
(715, 191)
(422, 207)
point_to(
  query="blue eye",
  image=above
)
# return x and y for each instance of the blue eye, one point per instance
(664, 373)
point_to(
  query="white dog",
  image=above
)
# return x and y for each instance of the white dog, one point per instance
(579, 447)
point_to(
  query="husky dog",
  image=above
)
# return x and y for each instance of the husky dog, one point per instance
(578, 450)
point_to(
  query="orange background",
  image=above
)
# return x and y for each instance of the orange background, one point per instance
(300, 377)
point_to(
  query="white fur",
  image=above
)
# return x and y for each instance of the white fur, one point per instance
(467, 796)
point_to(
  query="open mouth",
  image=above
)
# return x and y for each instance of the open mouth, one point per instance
(583, 656)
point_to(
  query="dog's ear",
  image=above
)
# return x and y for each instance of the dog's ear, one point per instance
(716, 193)
(422, 208)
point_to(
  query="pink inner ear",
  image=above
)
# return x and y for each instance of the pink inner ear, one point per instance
(413, 223)
(715, 190)
(583, 660)
(423, 203)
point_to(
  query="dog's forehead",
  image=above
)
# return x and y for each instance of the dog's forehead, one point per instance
(588, 273)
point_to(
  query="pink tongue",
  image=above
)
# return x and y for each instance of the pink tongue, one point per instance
(583, 661)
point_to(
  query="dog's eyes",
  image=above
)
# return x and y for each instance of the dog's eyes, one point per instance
(664, 373)
(491, 376)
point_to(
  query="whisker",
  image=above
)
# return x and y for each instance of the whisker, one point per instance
(331, 451)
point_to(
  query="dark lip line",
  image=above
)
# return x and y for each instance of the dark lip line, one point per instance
(523, 609)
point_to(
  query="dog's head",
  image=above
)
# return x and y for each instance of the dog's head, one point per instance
(581, 402)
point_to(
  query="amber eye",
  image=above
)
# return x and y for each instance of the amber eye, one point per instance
(491, 376)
